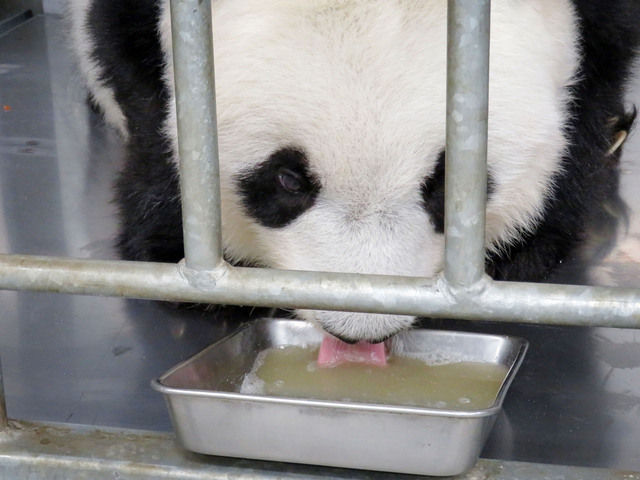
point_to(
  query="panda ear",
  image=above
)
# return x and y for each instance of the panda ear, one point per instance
(619, 128)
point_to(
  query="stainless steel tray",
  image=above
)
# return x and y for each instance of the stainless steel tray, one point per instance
(210, 415)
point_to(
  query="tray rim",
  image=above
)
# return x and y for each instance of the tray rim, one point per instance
(522, 347)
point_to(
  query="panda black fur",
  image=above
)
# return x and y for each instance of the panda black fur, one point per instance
(331, 118)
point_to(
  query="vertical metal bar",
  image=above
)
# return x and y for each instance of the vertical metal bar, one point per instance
(197, 132)
(4, 421)
(466, 147)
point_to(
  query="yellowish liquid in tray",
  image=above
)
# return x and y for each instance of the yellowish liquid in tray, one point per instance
(292, 371)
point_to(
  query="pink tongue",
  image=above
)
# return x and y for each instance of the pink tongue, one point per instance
(333, 352)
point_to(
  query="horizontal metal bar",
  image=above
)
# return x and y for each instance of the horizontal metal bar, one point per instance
(192, 41)
(67, 452)
(466, 140)
(498, 301)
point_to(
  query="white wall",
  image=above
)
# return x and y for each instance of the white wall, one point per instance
(9, 8)
(53, 6)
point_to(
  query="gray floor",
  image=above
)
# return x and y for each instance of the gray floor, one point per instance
(89, 360)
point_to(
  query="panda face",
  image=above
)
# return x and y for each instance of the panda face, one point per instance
(384, 229)
(332, 130)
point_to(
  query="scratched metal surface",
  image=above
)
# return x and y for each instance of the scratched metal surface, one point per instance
(88, 360)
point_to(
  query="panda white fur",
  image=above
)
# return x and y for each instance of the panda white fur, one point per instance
(332, 131)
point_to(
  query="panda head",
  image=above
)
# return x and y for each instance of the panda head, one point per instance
(307, 213)
(332, 133)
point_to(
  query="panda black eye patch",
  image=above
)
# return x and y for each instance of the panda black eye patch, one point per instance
(280, 189)
(433, 193)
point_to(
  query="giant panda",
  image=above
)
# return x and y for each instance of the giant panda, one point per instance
(331, 118)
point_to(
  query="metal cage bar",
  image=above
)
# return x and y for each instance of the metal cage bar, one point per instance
(83, 452)
(466, 142)
(197, 133)
(499, 301)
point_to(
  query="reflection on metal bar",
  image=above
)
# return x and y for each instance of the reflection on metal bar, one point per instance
(466, 148)
(499, 301)
(3, 404)
(45, 451)
(197, 132)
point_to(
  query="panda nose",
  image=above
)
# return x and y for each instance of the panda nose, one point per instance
(354, 327)
(342, 338)
(353, 341)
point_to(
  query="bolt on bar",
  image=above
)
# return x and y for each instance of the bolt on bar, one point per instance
(197, 132)
(466, 140)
